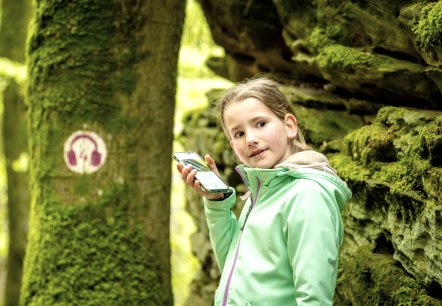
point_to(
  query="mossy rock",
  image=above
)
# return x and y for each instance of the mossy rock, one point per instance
(370, 278)
(392, 167)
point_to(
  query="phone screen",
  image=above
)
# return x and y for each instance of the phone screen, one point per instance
(208, 179)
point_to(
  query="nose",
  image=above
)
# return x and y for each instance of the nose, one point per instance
(251, 138)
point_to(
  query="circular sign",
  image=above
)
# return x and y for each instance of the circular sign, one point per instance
(84, 152)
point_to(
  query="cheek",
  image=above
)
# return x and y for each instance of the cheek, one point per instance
(237, 150)
(279, 143)
(272, 140)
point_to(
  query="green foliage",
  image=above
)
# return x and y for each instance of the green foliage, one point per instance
(194, 80)
(196, 45)
(196, 32)
(11, 70)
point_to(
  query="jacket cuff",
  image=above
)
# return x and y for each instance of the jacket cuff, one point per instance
(227, 202)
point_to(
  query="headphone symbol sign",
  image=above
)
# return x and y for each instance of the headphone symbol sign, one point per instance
(85, 152)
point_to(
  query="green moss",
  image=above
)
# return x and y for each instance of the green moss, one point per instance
(349, 59)
(431, 139)
(90, 85)
(117, 124)
(83, 185)
(370, 143)
(405, 118)
(393, 173)
(406, 188)
(90, 254)
(88, 244)
(349, 169)
(432, 183)
(428, 29)
(320, 38)
(377, 280)
(400, 150)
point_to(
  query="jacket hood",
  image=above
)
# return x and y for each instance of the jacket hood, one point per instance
(308, 159)
(309, 165)
(315, 166)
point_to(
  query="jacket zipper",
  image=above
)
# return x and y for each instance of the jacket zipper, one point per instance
(226, 290)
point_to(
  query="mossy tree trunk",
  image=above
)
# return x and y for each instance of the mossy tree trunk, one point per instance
(108, 67)
(14, 25)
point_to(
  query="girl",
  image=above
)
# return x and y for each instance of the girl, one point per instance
(283, 250)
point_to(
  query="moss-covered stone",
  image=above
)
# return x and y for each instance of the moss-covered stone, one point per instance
(428, 28)
(432, 142)
(351, 58)
(425, 23)
(377, 280)
(370, 143)
(397, 201)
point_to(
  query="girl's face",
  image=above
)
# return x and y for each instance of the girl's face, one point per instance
(259, 138)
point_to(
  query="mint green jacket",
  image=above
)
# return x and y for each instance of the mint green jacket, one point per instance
(283, 250)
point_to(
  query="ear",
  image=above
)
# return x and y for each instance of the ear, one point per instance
(291, 126)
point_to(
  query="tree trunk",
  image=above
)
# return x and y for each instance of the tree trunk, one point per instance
(101, 238)
(15, 19)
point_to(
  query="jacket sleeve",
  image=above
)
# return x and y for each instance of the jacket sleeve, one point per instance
(313, 238)
(222, 224)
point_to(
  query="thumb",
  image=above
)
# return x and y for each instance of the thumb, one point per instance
(211, 162)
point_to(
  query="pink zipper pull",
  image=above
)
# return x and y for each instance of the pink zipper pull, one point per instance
(245, 196)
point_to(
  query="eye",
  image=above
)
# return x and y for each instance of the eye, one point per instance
(261, 123)
(238, 134)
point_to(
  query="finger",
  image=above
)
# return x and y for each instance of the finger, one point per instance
(211, 162)
(198, 188)
(210, 196)
(179, 167)
(185, 171)
(190, 179)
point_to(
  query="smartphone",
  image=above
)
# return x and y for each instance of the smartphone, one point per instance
(209, 180)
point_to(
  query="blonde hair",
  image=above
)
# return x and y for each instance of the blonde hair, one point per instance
(267, 91)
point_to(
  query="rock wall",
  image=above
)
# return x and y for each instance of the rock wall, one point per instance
(365, 79)
(393, 243)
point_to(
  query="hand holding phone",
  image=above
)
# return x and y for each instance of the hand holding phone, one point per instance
(209, 181)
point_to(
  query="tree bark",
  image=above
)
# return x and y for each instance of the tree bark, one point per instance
(15, 19)
(110, 68)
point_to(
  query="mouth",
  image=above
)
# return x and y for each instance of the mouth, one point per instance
(256, 153)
